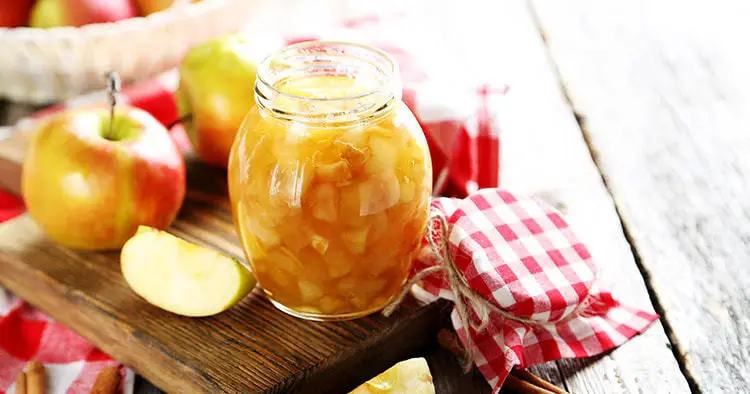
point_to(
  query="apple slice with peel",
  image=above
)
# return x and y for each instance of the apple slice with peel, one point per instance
(407, 377)
(181, 277)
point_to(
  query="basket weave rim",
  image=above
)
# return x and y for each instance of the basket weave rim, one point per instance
(162, 18)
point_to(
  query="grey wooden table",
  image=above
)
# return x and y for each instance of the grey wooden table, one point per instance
(633, 118)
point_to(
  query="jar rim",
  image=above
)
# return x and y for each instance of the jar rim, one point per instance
(392, 74)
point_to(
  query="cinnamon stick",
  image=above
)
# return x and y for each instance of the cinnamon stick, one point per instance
(21, 383)
(530, 377)
(516, 385)
(35, 378)
(519, 381)
(107, 381)
(449, 340)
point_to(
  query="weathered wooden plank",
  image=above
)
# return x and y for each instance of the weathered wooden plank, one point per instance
(544, 154)
(665, 94)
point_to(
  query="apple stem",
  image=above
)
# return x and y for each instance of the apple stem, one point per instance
(185, 118)
(113, 87)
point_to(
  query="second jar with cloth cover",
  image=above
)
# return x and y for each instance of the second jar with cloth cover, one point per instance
(330, 181)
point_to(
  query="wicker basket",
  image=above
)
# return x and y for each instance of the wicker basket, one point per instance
(46, 65)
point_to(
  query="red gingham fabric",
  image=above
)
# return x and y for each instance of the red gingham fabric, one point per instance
(10, 206)
(71, 364)
(521, 255)
(464, 143)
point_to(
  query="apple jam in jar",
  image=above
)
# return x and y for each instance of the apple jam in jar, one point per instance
(330, 181)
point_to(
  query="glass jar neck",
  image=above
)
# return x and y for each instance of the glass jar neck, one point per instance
(327, 82)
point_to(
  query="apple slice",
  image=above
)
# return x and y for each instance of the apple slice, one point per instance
(407, 377)
(181, 277)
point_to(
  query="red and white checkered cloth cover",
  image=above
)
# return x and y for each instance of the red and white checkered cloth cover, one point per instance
(458, 120)
(521, 255)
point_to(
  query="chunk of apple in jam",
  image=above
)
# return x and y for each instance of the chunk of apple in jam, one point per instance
(384, 153)
(323, 199)
(337, 172)
(288, 183)
(310, 292)
(320, 244)
(354, 156)
(379, 193)
(356, 239)
(339, 262)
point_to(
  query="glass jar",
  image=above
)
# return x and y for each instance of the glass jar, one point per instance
(330, 181)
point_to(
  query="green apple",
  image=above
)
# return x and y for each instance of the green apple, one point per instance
(47, 14)
(181, 277)
(217, 80)
(90, 187)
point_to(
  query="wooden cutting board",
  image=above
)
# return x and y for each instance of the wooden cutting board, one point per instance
(250, 348)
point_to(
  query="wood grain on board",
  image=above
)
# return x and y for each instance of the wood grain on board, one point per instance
(250, 348)
(545, 155)
(664, 91)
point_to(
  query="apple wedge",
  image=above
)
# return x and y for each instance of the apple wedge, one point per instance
(181, 277)
(407, 377)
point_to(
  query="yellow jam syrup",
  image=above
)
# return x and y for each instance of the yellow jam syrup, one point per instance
(330, 183)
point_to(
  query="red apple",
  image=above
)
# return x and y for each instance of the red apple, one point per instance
(90, 188)
(54, 13)
(84, 12)
(14, 13)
